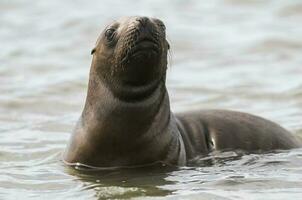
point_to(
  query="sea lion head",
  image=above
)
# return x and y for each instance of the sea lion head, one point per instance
(130, 56)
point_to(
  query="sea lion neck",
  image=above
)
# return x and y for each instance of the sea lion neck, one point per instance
(101, 83)
(102, 110)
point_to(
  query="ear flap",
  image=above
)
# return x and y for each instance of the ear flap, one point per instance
(92, 51)
(168, 45)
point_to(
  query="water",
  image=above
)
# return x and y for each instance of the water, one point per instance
(233, 54)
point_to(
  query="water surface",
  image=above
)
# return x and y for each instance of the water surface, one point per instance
(232, 54)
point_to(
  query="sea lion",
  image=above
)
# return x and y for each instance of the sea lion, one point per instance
(127, 121)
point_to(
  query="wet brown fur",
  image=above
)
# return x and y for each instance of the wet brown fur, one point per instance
(127, 119)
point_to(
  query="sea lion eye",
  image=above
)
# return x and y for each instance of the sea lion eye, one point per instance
(92, 51)
(109, 34)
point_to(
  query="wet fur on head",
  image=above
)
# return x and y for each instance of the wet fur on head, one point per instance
(131, 52)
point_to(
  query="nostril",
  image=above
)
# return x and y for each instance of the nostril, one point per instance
(143, 20)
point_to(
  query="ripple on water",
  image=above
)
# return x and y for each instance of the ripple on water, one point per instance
(234, 54)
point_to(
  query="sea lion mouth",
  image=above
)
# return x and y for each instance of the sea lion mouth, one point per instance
(145, 48)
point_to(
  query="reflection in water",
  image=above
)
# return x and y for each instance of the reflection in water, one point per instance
(125, 183)
(234, 171)
(230, 54)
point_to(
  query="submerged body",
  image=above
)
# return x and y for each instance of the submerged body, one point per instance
(127, 119)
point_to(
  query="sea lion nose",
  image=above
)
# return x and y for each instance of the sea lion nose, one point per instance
(143, 20)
